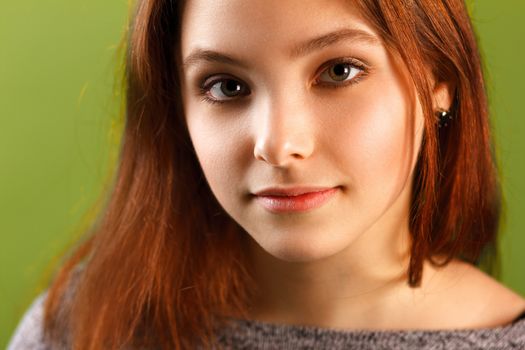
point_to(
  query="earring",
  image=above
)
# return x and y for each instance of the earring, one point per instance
(444, 117)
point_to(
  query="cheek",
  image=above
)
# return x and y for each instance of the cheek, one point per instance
(375, 133)
(220, 155)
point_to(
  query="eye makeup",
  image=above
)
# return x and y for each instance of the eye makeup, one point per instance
(215, 84)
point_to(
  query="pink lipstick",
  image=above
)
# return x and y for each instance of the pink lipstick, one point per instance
(294, 199)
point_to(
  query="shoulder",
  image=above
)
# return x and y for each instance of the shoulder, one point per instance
(478, 300)
(29, 333)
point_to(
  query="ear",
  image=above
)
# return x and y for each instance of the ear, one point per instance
(443, 96)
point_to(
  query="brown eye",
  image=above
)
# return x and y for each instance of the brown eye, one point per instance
(339, 72)
(226, 89)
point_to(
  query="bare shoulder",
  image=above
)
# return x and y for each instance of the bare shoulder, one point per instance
(479, 299)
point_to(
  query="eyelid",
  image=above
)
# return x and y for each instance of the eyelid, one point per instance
(354, 63)
(210, 80)
(208, 83)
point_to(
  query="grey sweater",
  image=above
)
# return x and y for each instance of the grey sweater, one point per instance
(246, 334)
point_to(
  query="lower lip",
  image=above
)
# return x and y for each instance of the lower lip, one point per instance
(300, 203)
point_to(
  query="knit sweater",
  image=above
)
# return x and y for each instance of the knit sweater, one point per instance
(249, 334)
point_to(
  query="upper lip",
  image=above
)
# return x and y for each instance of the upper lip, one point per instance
(290, 191)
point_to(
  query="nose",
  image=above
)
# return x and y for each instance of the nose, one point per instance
(284, 132)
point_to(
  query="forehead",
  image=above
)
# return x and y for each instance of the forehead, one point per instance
(250, 24)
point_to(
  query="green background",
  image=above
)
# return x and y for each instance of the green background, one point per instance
(57, 106)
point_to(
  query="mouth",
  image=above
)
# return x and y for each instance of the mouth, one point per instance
(298, 199)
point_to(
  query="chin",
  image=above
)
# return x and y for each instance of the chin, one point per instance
(302, 250)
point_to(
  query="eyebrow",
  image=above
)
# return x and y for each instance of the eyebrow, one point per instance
(303, 49)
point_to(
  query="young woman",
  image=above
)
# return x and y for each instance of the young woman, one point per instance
(293, 174)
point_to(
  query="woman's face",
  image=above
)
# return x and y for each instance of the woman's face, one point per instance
(299, 95)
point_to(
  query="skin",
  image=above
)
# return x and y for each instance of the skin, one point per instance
(342, 265)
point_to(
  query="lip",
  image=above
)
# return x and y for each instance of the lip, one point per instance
(292, 191)
(296, 199)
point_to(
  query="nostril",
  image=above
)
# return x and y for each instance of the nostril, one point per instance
(284, 138)
(280, 154)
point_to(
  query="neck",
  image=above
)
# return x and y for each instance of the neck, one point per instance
(358, 283)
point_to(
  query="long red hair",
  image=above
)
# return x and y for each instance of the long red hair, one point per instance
(160, 268)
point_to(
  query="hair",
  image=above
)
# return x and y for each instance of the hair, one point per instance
(158, 269)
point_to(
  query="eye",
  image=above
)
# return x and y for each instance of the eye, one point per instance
(223, 89)
(342, 71)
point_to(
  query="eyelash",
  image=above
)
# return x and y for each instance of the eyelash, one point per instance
(204, 88)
